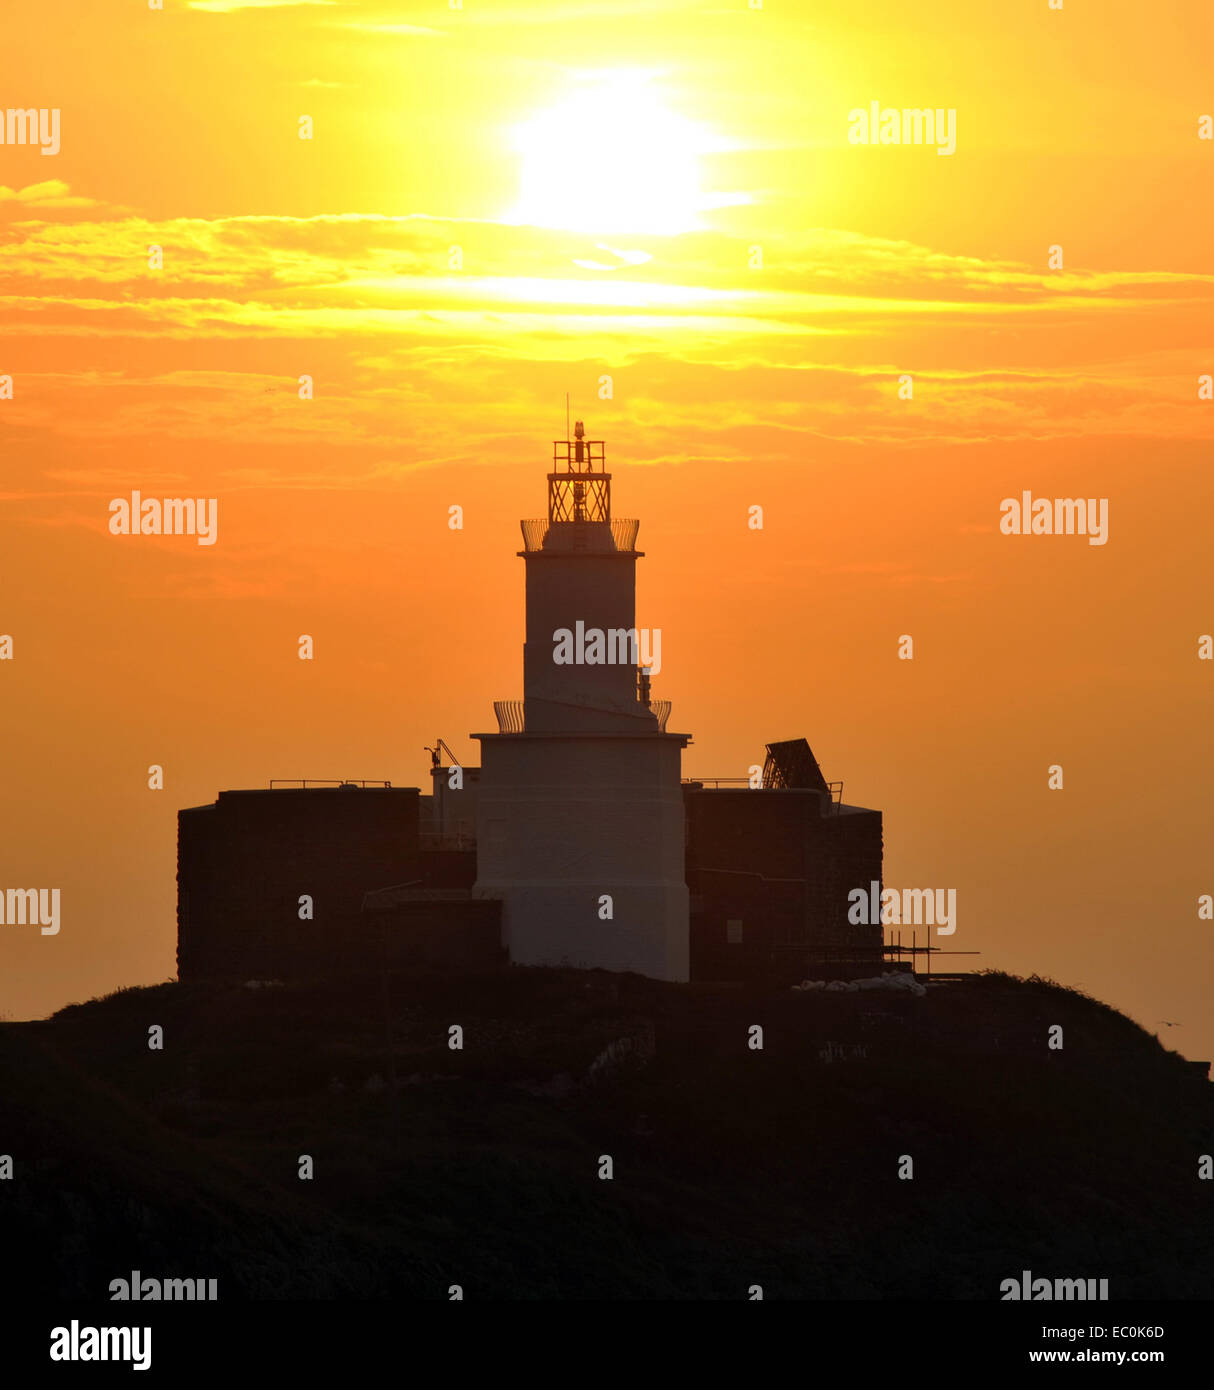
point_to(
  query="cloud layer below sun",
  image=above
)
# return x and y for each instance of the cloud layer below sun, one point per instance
(814, 330)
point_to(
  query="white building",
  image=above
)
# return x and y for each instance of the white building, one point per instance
(580, 809)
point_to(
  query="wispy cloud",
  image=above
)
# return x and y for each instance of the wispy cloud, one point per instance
(51, 193)
(819, 339)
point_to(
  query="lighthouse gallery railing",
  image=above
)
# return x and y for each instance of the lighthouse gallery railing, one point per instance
(623, 532)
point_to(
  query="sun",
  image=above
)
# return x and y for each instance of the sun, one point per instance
(611, 157)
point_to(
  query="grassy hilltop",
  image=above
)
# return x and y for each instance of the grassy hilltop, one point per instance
(479, 1167)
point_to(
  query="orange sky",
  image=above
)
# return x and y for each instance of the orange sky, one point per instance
(657, 145)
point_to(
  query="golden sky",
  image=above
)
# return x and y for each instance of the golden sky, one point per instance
(509, 201)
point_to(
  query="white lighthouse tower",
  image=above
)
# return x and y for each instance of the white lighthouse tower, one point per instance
(580, 809)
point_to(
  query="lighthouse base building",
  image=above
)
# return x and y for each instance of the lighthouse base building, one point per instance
(581, 837)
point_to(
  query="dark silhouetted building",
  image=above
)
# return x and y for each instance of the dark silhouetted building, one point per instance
(271, 882)
(770, 870)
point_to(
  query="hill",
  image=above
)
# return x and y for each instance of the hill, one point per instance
(480, 1167)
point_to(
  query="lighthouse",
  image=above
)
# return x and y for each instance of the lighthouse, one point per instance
(580, 822)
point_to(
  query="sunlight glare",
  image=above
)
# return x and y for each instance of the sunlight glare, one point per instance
(611, 157)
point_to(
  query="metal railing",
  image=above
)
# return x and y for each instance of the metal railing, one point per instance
(565, 455)
(534, 532)
(510, 716)
(623, 532)
(834, 789)
(324, 782)
(512, 719)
